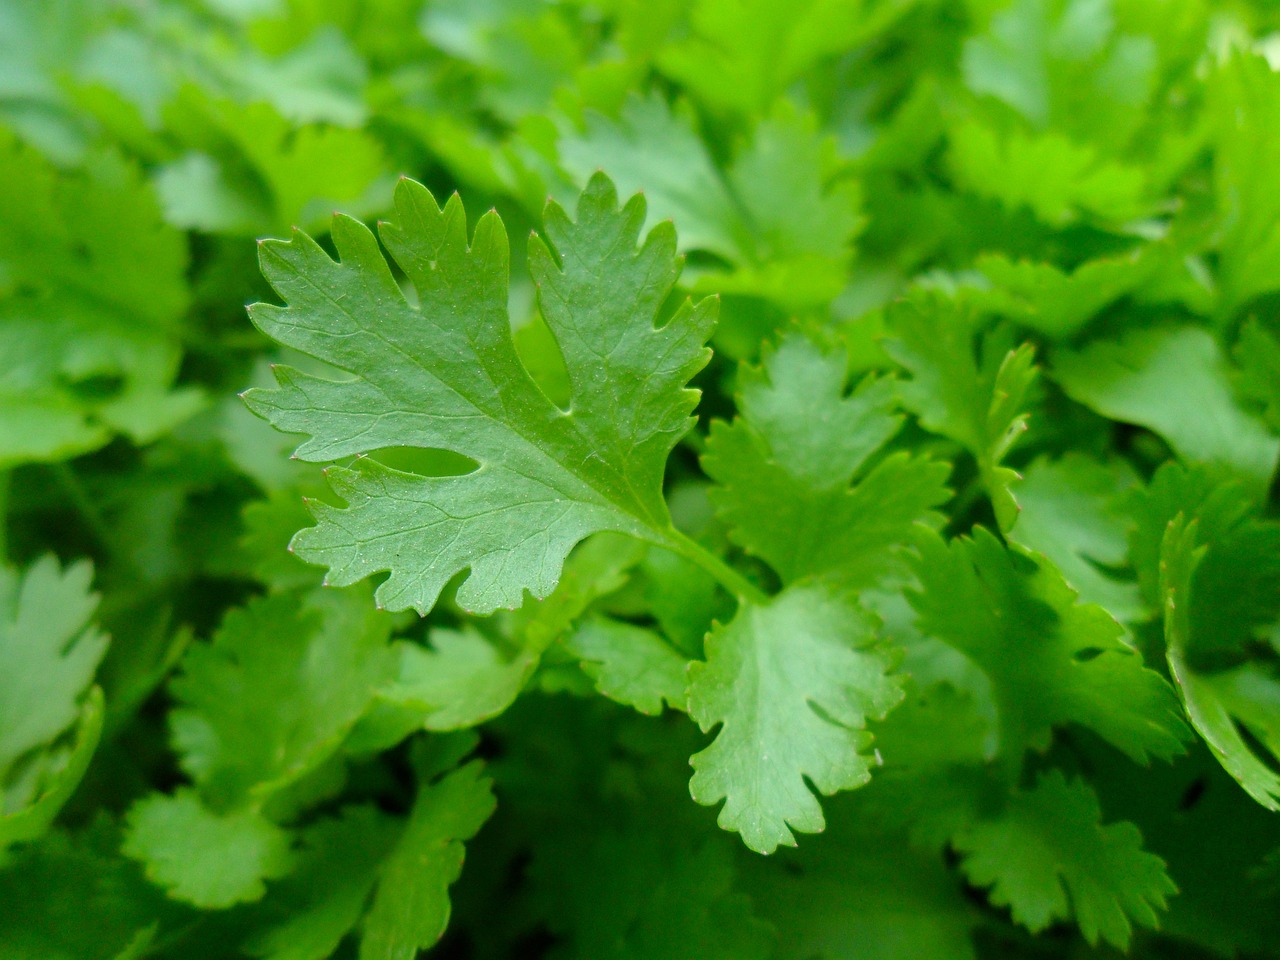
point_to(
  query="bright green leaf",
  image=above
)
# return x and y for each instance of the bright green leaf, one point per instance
(275, 692)
(209, 860)
(795, 485)
(546, 478)
(411, 907)
(1175, 382)
(629, 664)
(791, 685)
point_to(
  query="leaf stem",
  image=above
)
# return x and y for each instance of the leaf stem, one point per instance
(80, 499)
(725, 575)
(5, 476)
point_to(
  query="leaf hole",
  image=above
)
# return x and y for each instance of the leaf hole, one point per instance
(424, 461)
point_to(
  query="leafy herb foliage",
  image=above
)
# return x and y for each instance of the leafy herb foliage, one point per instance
(824, 508)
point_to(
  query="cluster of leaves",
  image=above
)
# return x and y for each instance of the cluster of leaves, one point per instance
(889, 432)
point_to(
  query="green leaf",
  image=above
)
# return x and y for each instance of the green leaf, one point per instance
(977, 402)
(1211, 707)
(1243, 101)
(275, 692)
(1257, 354)
(791, 685)
(322, 900)
(802, 213)
(1057, 179)
(628, 894)
(1236, 600)
(411, 907)
(50, 780)
(1060, 303)
(72, 897)
(89, 328)
(679, 182)
(782, 216)
(49, 650)
(741, 55)
(1051, 659)
(249, 170)
(459, 680)
(1064, 63)
(1048, 856)
(786, 464)
(1175, 382)
(1072, 513)
(209, 860)
(630, 665)
(545, 478)
(864, 893)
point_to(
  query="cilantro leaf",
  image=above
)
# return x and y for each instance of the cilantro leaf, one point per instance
(1078, 66)
(546, 478)
(791, 685)
(72, 897)
(1244, 101)
(1060, 303)
(785, 468)
(1236, 599)
(1057, 179)
(411, 907)
(1051, 659)
(276, 691)
(209, 860)
(626, 894)
(782, 215)
(247, 169)
(89, 328)
(1048, 855)
(462, 678)
(1072, 513)
(1257, 354)
(864, 885)
(680, 183)
(1175, 382)
(459, 681)
(741, 55)
(979, 403)
(630, 664)
(322, 900)
(49, 650)
(31, 801)
(1213, 707)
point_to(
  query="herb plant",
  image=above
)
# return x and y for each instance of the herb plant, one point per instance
(824, 509)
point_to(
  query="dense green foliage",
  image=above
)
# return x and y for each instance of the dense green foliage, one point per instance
(825, 509)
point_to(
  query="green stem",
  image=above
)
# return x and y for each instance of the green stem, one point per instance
(5, 477)
(725, 575)
(88, 510)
